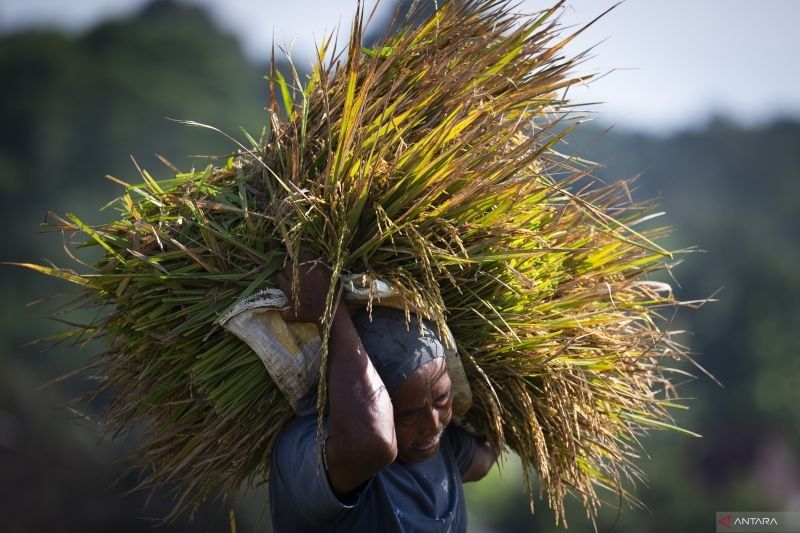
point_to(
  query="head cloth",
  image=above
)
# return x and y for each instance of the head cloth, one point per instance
(395, 348)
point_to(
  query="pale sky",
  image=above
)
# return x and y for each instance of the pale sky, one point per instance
(674, 62)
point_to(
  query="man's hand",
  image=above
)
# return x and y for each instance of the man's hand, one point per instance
(314, 282)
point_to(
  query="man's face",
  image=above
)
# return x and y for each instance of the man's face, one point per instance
(422, 409)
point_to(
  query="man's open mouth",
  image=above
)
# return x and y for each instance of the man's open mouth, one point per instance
(431, 443)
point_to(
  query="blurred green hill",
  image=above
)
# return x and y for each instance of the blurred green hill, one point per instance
(75, 108)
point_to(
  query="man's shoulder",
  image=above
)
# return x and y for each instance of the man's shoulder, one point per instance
(298, 436)
(301, 425)
(301, 496)
(461, 444)
(455, 435)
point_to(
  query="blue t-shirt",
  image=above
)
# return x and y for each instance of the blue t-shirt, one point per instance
(403, 497)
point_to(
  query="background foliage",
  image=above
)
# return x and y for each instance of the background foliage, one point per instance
(75, 109)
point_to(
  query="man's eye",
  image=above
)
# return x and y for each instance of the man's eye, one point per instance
(443, 398)
(407, 417)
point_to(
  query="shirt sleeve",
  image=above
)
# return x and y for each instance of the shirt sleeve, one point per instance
(463, 445)
(299, 474)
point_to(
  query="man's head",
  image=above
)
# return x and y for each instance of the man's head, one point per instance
(411, 362)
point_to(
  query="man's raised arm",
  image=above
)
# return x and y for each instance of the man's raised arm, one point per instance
(361, 438)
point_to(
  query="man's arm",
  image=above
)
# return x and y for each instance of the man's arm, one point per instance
(361, 439)
(482, 461)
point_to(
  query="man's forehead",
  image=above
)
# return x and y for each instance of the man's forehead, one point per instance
(432, 373)
(430, 380)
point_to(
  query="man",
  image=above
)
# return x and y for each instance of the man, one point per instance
(390, 460)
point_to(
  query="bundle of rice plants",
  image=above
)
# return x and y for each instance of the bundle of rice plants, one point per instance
(428, 162)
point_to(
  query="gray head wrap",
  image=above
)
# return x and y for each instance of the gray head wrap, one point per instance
(397, 350)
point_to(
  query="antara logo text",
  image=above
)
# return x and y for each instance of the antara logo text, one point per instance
(755, 521)
(729, 522)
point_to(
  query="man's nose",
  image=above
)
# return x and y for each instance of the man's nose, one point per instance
(431, 422)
